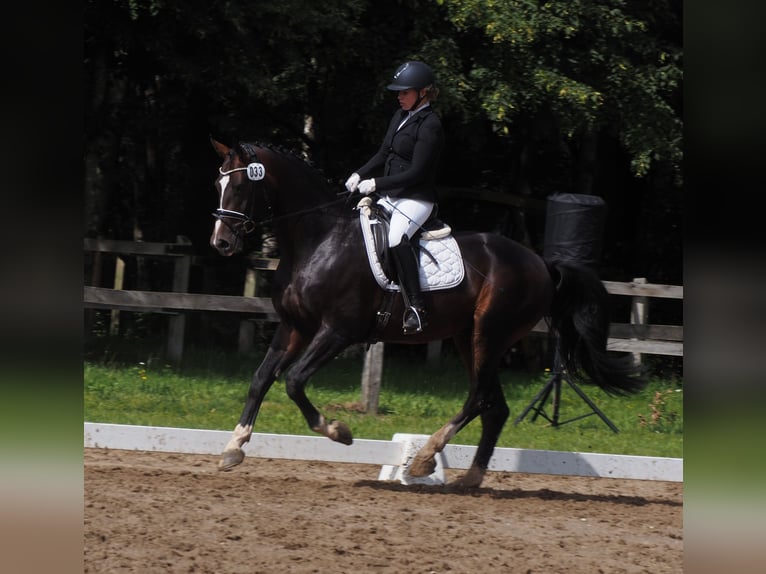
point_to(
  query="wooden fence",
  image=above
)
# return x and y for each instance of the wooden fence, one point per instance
(637, 336)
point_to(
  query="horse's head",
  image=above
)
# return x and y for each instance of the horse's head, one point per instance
(241, 193)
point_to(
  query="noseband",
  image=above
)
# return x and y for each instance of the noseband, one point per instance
(255, 172)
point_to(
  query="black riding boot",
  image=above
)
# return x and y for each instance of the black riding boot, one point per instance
(404, 257)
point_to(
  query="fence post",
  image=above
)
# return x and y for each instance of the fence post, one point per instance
(177, 323)
(95, 281)
(639, 311)
(371, 376)
(119, 277)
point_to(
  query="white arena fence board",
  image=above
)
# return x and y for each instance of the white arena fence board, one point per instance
(262, 445)
(389, 454)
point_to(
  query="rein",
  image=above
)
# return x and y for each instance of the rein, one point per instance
(302, 211)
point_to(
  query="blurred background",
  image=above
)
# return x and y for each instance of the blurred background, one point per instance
(536, 99)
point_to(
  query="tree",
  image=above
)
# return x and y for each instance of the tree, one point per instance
(565, 95)
(609, 66)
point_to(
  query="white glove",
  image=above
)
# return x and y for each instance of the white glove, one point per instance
(367, 186)
(352, 182)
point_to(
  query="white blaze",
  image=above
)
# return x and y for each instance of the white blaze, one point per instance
(223, 183)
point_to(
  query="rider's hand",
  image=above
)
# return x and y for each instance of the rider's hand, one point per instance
(352, 182)
(367, 186)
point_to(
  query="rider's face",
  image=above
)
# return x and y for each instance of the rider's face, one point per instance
(407, 98)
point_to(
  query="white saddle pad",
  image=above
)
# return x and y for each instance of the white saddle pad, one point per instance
(441, 263)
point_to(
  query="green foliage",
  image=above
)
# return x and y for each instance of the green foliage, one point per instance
(596, 66)
(603, 65)
(414, 399)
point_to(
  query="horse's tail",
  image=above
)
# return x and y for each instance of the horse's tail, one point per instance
(579, 316)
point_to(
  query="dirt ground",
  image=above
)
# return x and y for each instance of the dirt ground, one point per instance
(154, 512)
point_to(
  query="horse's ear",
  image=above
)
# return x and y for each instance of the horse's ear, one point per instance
(221, 149)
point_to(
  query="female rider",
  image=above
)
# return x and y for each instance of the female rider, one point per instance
(405, 169)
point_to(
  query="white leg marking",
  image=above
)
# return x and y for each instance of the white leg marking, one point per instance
(241, 436)
(322, 428)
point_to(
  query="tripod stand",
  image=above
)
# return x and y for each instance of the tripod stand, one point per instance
(554, 385)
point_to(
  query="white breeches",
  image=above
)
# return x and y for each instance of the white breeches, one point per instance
(407, 215)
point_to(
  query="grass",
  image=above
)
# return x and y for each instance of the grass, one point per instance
(415, 398)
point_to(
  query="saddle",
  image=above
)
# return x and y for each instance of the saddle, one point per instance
(441, 264)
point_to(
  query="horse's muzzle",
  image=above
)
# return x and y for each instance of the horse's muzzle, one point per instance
(223, 247)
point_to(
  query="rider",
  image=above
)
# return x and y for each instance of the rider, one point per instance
(407, 159)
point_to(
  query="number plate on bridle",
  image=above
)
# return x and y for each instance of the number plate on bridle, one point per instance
(256, 171)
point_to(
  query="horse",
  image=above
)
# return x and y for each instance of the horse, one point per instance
(327, 299)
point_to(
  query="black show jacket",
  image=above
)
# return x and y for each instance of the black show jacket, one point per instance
(409, 157)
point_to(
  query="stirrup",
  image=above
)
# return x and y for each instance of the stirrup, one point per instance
(414, 320)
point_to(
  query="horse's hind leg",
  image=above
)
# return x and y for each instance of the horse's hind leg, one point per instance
(485, 399)
(284, 347)
(424, 462)
(493, 420)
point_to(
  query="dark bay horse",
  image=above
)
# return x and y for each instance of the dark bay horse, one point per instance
(327, 299)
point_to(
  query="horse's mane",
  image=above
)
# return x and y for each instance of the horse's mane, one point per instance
(290, 153)
(316, 176)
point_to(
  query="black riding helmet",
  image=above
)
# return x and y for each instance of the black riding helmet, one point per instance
(410, 75)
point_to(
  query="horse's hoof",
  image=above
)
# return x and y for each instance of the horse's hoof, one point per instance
(340, 432)
(422, 466)
(231, 458)
(471, 479)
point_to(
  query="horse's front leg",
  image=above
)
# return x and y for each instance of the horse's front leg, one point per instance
(284, 347)
(325, 345)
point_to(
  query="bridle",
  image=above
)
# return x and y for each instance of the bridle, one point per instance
(243, 221)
